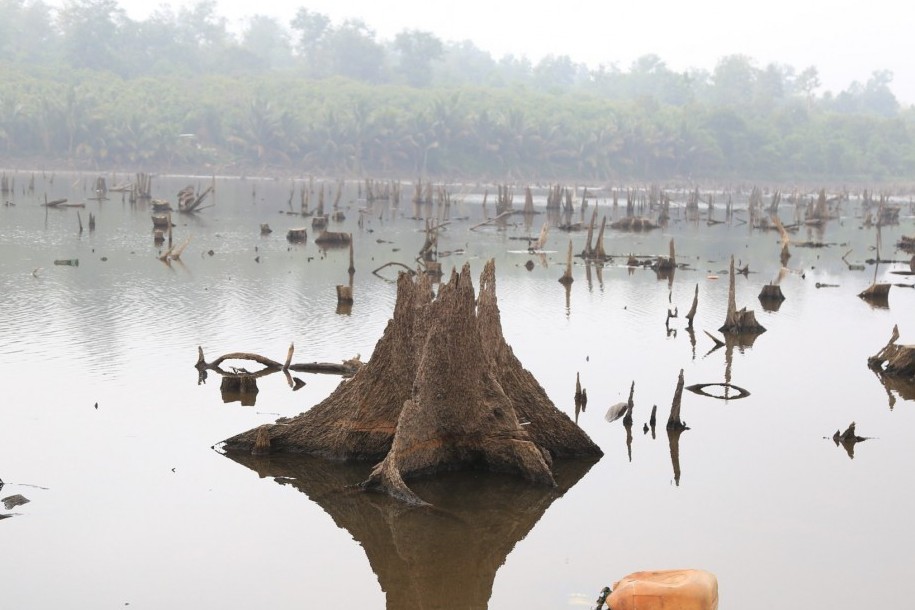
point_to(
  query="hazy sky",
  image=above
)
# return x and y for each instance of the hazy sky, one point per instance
(845, 39)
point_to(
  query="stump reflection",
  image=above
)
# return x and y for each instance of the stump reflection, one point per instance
(426, 557)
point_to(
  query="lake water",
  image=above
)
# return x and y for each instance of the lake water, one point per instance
(106, 430)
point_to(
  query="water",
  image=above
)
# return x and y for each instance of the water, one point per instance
(130, 503)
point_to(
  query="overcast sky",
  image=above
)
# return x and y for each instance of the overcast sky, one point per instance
(846, 40)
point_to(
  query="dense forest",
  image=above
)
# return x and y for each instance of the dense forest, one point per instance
(87, 87)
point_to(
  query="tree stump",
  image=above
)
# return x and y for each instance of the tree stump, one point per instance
(895, 360)
(442, 390)
(738, 321)
(566, 279)
(297, 235)
(771, 292)
(344, 294)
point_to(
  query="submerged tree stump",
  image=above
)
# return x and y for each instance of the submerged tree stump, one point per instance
(674, 422)
(442, 390)
(742, 320)
(771, 292)
(566, 279)
(895, 360)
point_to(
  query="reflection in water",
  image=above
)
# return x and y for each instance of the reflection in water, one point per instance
(673, 438)
(441, 557)
(894, 385)
(770, 305)
(239, 387)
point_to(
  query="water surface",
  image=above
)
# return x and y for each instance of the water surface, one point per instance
(130, 504)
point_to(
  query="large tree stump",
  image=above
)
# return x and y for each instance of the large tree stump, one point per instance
(427, 401)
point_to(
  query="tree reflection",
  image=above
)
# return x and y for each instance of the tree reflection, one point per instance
(441, 556)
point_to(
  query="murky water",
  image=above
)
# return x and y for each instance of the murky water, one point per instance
(104, 427)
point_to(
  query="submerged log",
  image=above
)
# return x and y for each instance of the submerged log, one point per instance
(443, 390)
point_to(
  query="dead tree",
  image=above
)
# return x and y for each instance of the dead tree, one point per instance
(443, 390)
(674, 422)
(895, 360)
(692, 310)
(566, 279)
(738, 321)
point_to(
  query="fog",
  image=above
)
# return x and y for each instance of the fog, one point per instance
(845, 40)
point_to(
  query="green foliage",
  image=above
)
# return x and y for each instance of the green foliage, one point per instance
(93, 88)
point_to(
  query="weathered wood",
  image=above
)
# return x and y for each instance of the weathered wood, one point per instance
(442, 390)
(297, 235)
(895, 360)
(566, 279)
(634, 223)
(692, 310)
(738, 321)
(344, 294)
(673, 421)
(333, 238)
(771, 292)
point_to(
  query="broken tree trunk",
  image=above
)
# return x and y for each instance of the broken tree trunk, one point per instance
(669, 263)
(427, 401)
(895, 360)
(674, 422)
(692, 310)
(738, 321)
(567, 278)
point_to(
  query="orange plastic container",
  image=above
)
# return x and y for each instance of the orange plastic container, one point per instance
(665, 590)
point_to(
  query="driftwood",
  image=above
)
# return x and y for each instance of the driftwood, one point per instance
(392, 264)
(346, 368)
(189, 202)
(443, 390)
(490, 221)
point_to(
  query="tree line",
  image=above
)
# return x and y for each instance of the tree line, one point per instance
(87, 86)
